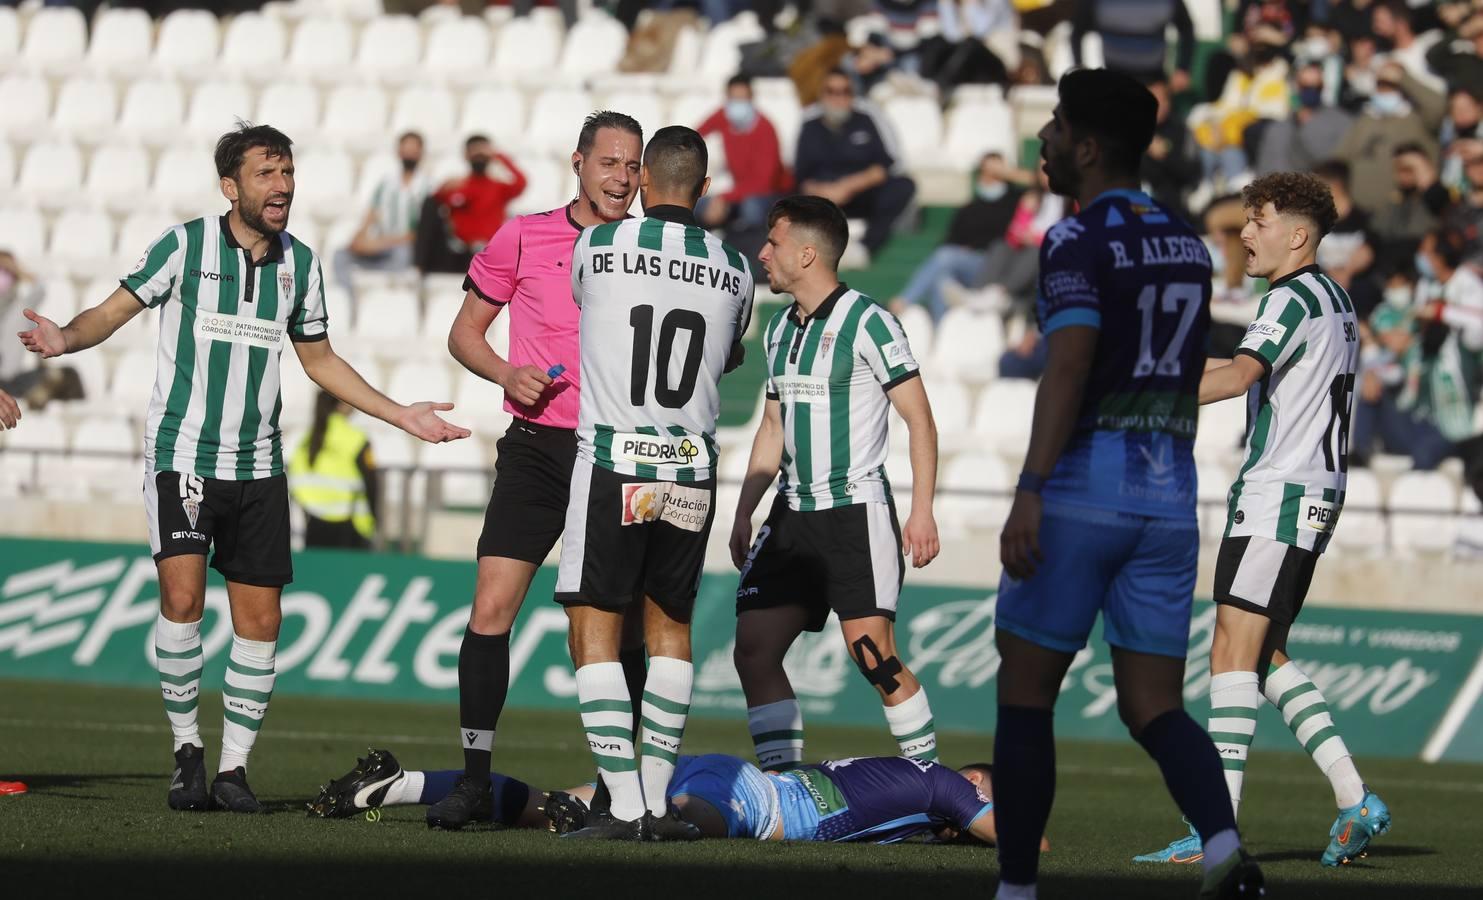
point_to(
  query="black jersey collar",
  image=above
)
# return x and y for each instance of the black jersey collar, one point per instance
(668, 212)
(275, 243)
(824, 309)
(1312, 269)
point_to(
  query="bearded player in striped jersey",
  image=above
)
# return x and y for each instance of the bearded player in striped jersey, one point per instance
(229, 289)
(1296, 367)
(836, 362)
(664, 307)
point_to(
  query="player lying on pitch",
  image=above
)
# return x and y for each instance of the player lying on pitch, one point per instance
(879, 800)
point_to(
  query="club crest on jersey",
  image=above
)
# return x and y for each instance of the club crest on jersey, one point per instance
(826, 342)
(285, 283)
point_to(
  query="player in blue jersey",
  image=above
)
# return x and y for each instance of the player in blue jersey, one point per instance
(879, 800)
(1103, 519)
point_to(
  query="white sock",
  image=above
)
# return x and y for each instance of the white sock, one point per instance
(665, 708)
(913, 728)
(406, 790)
(1234, 700)
(1009, 891)
(177, 646)
(777, 733)
(245, 696)
(1219, 848)
(1306, 712)
(607, 717)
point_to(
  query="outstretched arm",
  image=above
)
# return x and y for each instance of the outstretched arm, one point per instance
(90, 328)
(326, 369)
(1229, 378)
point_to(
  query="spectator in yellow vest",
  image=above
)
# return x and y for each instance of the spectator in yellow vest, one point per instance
(332, 475)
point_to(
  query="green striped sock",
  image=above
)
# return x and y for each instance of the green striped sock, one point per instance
(665, 708)
(913, 727)
(1306, 712)
(1234, 700)
(777, 733)
(607, 717)
(177, 650)
(245, 696)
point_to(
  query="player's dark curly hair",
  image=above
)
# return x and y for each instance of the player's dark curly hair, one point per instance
(1294, 193)
(232, 148)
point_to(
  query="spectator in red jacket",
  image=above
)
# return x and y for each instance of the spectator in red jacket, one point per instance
(756, 162)
(476, 203)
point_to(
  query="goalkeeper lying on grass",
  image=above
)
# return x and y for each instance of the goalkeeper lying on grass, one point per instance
(871, 799)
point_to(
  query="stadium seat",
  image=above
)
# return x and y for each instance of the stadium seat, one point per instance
(458, 51)
(952, 408)
(51, 175)
(479, 406)
(1208, 17)
(693, 107)
(426, 109)
(387, 315)
(322, 49)
(498, 112)
(917, 121)
(355, 115)
(153, 112)
(26, 100)
(968, 482)
(389, 49)
(10, 38)
(82, 243)
(22, 232)
(917, 323)
(1004, 413)
(187, 43)
(414, 382)
(1213, 490)
(253, 47)
(215, 108)
(527, 47)
(594, 46)
(441, 308)
(186, 180)
(976, 128)
(968, 345)
(467, 485)
(92, 371)
(86, 110)
(684, 59)
(118, 176)
(133, 382)
(105, 458)
(645, 106)
(720, 55)
(778, 100)
(56, 40)
(44, 437)
(298, 393)
(324, 183)
(1362, 529)
(1423, 507)
(7, 165)
(140, 229)
(290, 106)
(58, 299)
(553, 120)
(121, 42)
(549, 185)
(1222, 430)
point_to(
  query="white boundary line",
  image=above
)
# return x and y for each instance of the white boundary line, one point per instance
(1457, 713)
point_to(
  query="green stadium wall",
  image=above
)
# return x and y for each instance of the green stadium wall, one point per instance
(388, 626)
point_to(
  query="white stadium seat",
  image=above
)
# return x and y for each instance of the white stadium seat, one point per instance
(26, 100)
(693, 107)
(121, 41)
(56, 40)
(439, 315)
(10, 37)
(58, 299)
(7, 165)
(644, 106)
(82, 243)
(186, 180)
(298, 393)
(215, 108)
(253, 47)
(1005, 411)
(1222, 430)
(458, 51)
(555, 112)
(389, 49)
(387, 315)
(684, 60)
(480, 405)
(153, 112)
(290, 106)
(460, 488)
(968, 345)
(1213, 489)
(22, 231)
(413, 382)
(51, 174)
(118, 175)
(594, 46)
(187, 42)
(495, 111)
(527, 46)
(426, 109)
(1427, 523)
(918, 122)
(324, 183)
(322, 49)
(356, 115)
(139, 230)
(1362, 528)
(917, 323)
(86, 110)
(976, 128)
(133, 382)
(952, 408)
(549, 185)
(114, 473)
(977, 473)
(720, 55)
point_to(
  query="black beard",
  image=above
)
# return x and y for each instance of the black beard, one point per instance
(253, 218)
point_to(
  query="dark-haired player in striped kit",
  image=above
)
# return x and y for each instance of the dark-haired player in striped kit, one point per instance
(229, 289)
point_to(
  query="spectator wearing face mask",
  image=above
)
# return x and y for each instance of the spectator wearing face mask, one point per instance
(976, 225)
(387, 233)
(1311, 134)
(848, 154)
(1413, 208)
(1401, 111)
(758, 174)
(477, 202)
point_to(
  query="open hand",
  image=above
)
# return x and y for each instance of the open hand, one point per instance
(46, 338)
(421, 420)
(10, 412)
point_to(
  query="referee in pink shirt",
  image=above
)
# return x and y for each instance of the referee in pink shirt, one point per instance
(526, 267)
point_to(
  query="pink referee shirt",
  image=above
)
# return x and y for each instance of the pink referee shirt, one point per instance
(527, 266)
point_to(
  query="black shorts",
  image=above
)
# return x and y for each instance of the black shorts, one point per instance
(627, 537)
(1264, 576)
(527, 507)
(243, 523)
(847, 559)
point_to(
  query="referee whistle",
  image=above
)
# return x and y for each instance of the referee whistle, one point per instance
(555, 371)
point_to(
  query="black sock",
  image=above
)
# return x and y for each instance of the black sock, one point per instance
(1024, 788)
(1192, 771)
(483, 682)
(635, 662)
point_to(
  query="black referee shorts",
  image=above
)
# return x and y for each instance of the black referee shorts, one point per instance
(532, 478)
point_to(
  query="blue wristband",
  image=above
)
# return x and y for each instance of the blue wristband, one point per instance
(1030, 483)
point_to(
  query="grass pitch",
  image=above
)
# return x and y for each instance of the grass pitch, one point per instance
(95, 823)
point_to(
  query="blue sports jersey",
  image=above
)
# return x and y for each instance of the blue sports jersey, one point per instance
(876, 799)
(1126, 266)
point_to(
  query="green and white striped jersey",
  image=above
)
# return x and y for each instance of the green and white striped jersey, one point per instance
(664, 304)
(214, 412)
(1291, 488)
(398, 203)
(830, 375)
